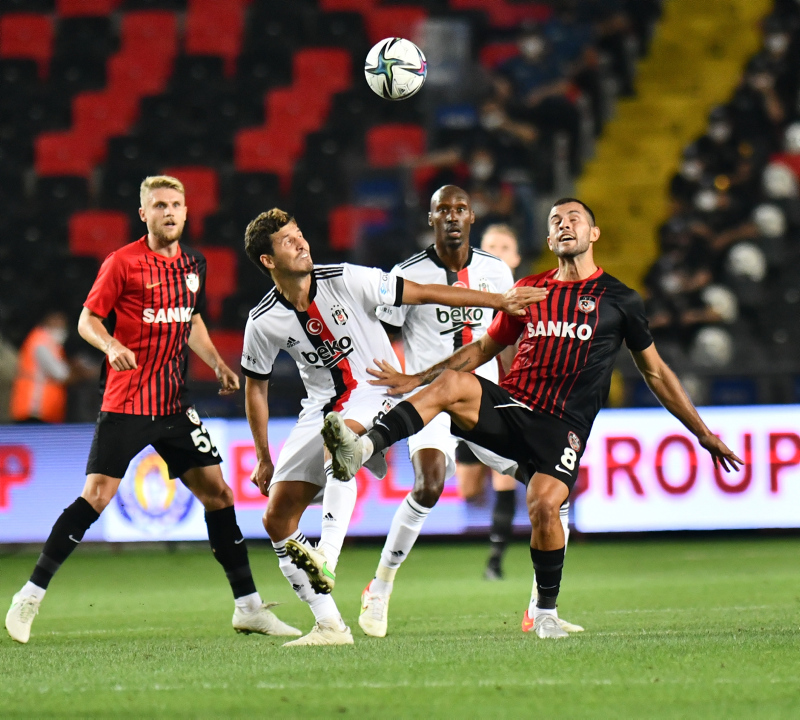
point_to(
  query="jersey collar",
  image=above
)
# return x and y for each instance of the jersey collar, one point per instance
(551, 277)
(436, 260)
(312, 293)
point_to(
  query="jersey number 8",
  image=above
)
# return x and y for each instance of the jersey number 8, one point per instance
(568, 458)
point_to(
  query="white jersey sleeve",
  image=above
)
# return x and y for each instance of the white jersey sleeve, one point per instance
(258, 353)
(372, 287)
(394, 315)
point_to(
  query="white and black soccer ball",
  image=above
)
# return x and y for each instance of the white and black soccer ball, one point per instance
(395, 69)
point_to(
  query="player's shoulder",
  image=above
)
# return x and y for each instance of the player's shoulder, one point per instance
(128, 252)
(617, 287)
(329, 272)
(415, 259)
(487, 258)
(268, 302)
(192, 253)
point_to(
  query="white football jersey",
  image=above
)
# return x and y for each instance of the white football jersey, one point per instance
(334, 341)
(432, 332)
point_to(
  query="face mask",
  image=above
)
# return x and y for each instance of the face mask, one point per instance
(532, 48)
(777, 44)
(692, 170)
(59, 335)
(491, 120)
(481, 169)
(719, 132)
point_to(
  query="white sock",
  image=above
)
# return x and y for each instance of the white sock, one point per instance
(323, 606)
(249, 603)
(367, 448)
(543, 611)
(31, 590)
(563, 514)
(384, 580)
(338, 504)
(406, 526)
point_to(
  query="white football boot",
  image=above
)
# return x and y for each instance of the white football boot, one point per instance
(324, 632)
(344, 446)
(313, 562)
(262, 621)
(547, 626)
(374, 617)
(20, 617)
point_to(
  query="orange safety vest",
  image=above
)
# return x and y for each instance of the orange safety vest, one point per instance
(35, 395)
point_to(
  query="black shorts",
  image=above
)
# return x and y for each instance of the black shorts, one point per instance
(465, 456)
(180, 439)
(538, 442)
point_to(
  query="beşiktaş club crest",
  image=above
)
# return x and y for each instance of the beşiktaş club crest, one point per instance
(586, 303)
(192, 282)
(483, 285)
(574, 441)
(338, 314)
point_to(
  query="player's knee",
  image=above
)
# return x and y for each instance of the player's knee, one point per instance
(543, 511)
(99, 491)
(428, 492)
(275, 523)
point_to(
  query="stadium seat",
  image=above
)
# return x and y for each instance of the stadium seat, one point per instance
(85, 37)
(214, 28)
(104, 113)
(294, 111)
(263, 150)
(495, 54)
(202, 195)
(97, 233)
(346, 5)
(389, 145)
(77, 8)
(61, 195)
(393, 21)
(139, 74)
(324, 69)
(27, 35)
(229, 344)
(346, 222)
(74, 74)
(152, 31)
(66, 153)
(220, 278)
(252, 193)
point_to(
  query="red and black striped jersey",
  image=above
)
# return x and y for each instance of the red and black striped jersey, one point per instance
(149, 301)
(569, 343)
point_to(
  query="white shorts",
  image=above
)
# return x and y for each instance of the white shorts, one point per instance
(302, 456)
(436, 435)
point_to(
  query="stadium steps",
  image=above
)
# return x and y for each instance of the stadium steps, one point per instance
(696, 60)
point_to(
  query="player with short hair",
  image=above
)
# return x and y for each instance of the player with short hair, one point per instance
(542, 413)
(324, 317)
(152, 294)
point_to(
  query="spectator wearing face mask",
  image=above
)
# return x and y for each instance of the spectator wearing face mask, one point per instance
(492, 199)
(39, 393)
(756, 108)
(686, 182)
(718, 148)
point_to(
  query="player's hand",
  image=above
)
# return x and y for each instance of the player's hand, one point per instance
(120, 357)
(720, 452)
(261, 476)
(518, 298)
(397, 382)
(228, 380)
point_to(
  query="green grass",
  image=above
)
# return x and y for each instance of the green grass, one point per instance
(694, 629)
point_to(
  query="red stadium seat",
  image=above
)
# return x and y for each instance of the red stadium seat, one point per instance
(393, 21)
(215, 28)
(66, 153)
(220, 277)
(98, 232)
(389, 145)
(495, 54)
(263, 149)
(346, 222)
(202, 194)
(295, 111)
(27, 35)
(154, 32)
(324, 69)
(346, 5)
(138, 73)
(229, 344)
(104, 113)
(85, 8)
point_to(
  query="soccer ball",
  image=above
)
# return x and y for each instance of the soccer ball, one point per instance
(395, 69)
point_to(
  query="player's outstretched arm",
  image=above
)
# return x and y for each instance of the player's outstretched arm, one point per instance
(91, 329)
(200, 342)
(670, 393)
(513, 302)
(256, 395)
(464, 359)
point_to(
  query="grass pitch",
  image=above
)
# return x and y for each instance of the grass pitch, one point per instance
(697, 629)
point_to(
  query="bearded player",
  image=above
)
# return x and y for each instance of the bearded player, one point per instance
(542, 413)
(324, 317)
(152, 293)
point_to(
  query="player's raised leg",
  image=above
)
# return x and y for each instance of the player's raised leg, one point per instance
(251, 614)
(288, 501)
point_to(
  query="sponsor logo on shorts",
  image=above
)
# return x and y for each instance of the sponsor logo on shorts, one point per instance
(191, 413)
(574, 441)
(314, 326)
(586, 303)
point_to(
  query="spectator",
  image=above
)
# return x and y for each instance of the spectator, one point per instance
(39, 394)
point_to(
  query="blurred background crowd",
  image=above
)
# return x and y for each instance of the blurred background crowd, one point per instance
(257, 103)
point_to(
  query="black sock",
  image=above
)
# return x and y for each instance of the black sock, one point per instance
(401, 422)
(548, 564)
(502, 521)
(229, 549)
(65, 536)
